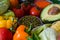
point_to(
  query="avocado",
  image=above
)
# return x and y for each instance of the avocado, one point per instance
(51, 13)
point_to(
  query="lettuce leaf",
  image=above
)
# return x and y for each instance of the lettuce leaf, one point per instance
(48, 34)
(39, 29)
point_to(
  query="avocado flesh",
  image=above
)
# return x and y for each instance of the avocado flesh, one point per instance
(46, 17)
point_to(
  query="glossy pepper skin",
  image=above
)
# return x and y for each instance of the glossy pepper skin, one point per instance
(34, 11)
(20, 33)
(5, 34)
(7, 23)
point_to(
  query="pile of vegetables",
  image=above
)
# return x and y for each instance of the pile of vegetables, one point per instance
(29, 20)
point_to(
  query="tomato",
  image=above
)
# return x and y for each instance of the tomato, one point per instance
(18, 12)
(5, 34)
(42, 4)
(26, 7)
(14, 3)
(35, 11)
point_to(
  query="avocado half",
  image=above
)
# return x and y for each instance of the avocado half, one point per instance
(51, 13)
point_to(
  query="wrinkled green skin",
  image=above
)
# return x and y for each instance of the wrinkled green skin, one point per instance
(27, 20)
(4, 5)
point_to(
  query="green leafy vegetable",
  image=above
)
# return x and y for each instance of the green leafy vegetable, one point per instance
(39, 29)
(48, 34)
(29, 29)
(35, 37)
(29, 38)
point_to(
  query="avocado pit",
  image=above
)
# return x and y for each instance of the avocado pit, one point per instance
(53, 11)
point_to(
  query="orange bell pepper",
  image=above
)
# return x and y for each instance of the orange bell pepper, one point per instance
(20, 33)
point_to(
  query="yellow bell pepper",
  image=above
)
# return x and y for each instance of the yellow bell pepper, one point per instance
(2, 23)
(7, 23)
(1, 18)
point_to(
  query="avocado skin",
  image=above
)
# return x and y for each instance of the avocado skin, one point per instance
(46, 21)
(49, 19)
